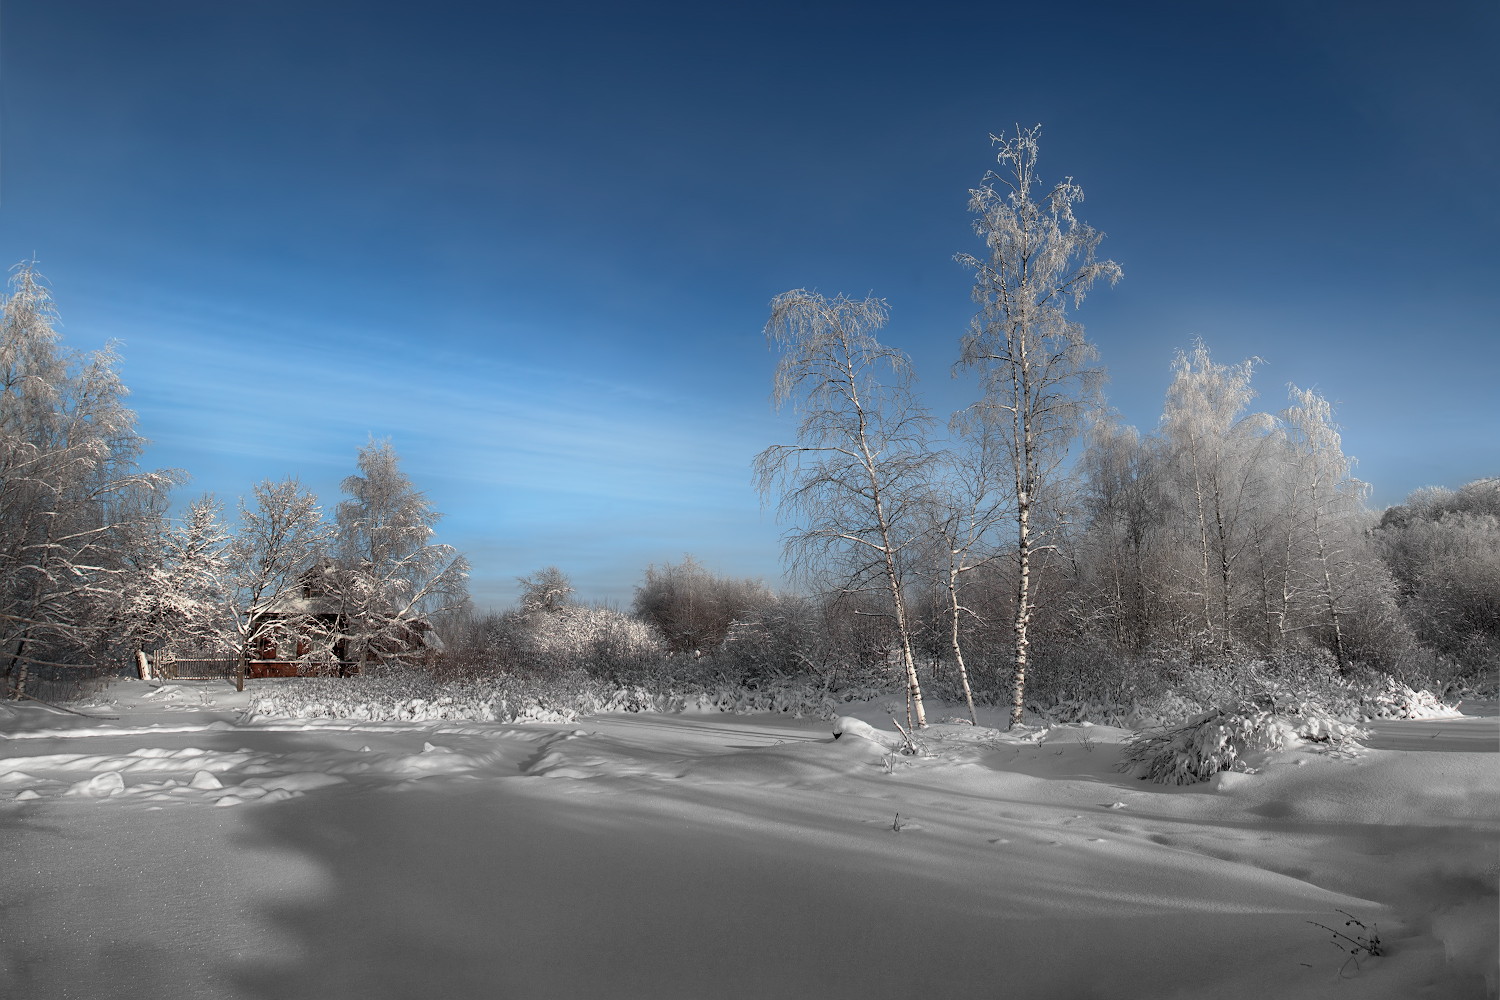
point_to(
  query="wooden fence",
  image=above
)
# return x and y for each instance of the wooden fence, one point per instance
(59, 684)
(220, 668)
(228, 668)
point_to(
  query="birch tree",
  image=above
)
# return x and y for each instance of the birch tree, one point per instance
(855, 479)
(1037, 371)
(1219, 448)
(68, 476)
(968, 503)
(390, 575)
(1323, 494)
(1443, 548)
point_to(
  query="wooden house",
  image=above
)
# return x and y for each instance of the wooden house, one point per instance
(314, 612)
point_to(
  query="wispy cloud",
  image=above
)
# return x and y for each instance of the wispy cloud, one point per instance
(535, 465)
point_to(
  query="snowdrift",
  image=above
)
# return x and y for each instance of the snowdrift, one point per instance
(205, 852)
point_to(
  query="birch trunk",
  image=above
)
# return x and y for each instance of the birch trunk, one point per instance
(1023, 611)
(958, 653)
(913, 685)
(1227, 643)
(1320, 539)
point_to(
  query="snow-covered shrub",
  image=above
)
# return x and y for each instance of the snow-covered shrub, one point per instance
(1397, 701)
(785, 634)
(415, 695)
(1156, 693)
(1071, 710)
(576, 631)
(798, 697)
(545, 641)
(397, 694)
(1218, 740)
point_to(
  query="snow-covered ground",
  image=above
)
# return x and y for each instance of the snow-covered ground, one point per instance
(179, 850)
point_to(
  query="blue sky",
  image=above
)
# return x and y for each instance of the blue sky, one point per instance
(534, 244)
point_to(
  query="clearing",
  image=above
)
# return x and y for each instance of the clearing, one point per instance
(180, 850)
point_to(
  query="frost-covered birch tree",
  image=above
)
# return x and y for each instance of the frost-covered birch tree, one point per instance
(1219, 450)
(390, 575)
(854, 481)
(1038, 373)
(1322, 495)
(966, 506)
(68, 478)
(1443, 548)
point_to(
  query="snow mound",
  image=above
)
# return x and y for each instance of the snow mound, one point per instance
(301, 781)
(100, 786)
(848, 725)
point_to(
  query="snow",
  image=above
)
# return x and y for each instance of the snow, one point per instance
(178, 851)
(850, 726)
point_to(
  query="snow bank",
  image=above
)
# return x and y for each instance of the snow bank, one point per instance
(707, 853)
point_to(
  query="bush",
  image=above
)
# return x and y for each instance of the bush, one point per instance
(570, 638)
(1443, 547)
(694, 609)
(1397, 701)
(1163, 690)
(408, 694)
(1217, 740)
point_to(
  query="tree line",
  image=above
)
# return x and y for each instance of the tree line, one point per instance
(93, 567)
(1224, 535)
(1035, 540)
